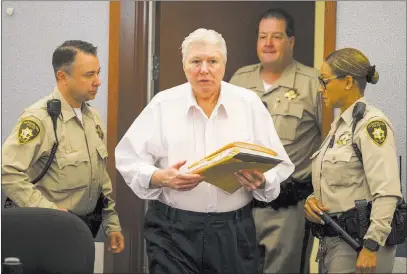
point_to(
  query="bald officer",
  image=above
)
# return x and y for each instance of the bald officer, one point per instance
(289, 91)
(77, 175)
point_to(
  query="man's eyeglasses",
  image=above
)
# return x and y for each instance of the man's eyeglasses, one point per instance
(324, 82)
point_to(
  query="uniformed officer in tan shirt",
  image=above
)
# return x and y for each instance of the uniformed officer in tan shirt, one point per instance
(78, 172)
(340, 177)
(289, 91)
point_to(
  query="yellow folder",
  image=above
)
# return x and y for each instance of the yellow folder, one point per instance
(219, 166)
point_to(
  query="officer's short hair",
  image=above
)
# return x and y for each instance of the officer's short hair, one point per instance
(65, 54)
(279, 14)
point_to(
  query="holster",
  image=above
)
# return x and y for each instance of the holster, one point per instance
(347, 220)
(9, 203)
(363, 209)
(94, 219)
(356, 222)
(291, 192)
(398, 233)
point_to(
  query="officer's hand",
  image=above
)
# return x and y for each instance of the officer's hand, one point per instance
(366, 262)
(313, 208)
(116, 242)
(174, 179)
(251, 179)
(63, 209)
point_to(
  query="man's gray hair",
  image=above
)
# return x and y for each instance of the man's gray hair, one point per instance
(204, 36)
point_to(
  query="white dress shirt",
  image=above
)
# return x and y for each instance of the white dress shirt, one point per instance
(173, 128)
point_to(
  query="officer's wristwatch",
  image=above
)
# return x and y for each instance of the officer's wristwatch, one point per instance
(370, 244)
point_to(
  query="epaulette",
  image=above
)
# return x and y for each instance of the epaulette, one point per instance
(246, 69)
(307, 71)
(37, 109)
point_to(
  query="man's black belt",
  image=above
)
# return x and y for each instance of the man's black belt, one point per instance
(291, 192)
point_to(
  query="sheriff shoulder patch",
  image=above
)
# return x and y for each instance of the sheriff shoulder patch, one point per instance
(377, 131)
(28, 131)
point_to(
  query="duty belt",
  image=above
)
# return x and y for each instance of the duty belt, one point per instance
(347, 220)
(292, 191)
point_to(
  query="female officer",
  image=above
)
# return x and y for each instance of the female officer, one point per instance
(340, 177)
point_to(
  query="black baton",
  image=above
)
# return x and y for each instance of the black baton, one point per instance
(347, 238)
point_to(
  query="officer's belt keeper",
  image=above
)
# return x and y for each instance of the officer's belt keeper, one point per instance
(291, 192)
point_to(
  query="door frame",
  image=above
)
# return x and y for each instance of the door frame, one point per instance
(128, 82)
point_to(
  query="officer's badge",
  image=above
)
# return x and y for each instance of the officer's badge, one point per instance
(28, 131)
(343, 139)
(99, 131)
(291, 94)
(377, 131)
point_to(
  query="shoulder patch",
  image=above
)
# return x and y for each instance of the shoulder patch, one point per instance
(377, 131)
(28, 131)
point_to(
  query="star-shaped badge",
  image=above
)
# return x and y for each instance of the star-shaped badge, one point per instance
(343, 139)
(291, 94)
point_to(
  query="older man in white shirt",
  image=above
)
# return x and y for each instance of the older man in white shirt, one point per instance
(192, 226)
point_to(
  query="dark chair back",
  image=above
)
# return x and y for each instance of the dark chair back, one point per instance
(47, 241)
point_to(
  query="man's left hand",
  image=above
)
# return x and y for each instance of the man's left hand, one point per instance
(116, 242)
(250, 179)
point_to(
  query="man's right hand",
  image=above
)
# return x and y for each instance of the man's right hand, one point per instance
(174, 179)
(313, 209)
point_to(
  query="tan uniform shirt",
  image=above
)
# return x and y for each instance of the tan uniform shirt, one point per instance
(293, 102)
(78, 172)
(339, 177)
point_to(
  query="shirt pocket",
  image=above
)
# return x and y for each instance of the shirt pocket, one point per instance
(103, 155)
(74, 170)
(335, 168)
(286, 118)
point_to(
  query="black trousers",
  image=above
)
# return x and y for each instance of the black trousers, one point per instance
(180, 241)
